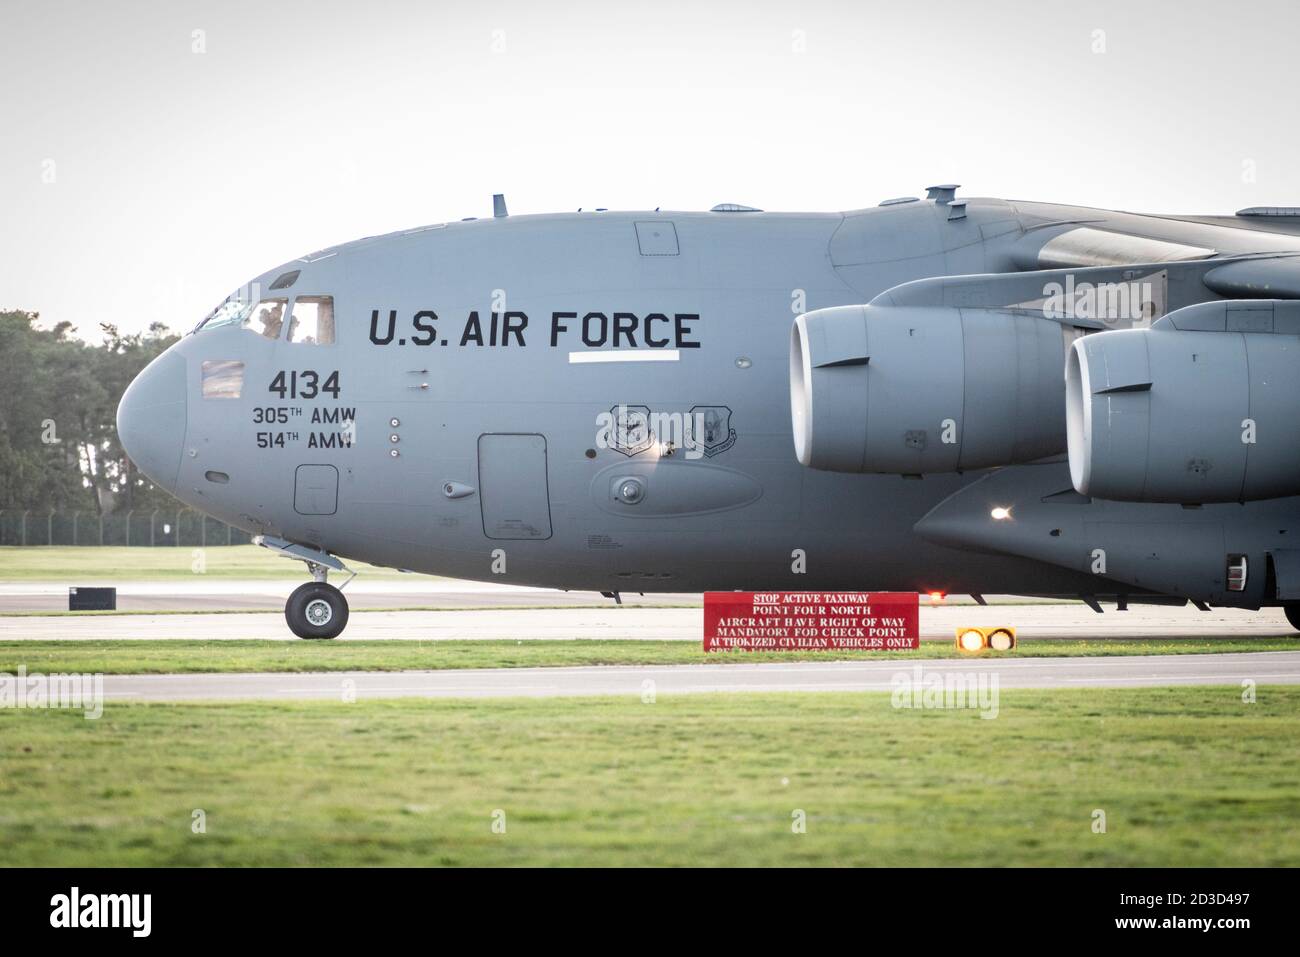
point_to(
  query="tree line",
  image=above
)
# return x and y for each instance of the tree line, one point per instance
(58, 416)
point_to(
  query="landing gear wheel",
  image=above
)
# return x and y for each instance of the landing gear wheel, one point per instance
(1292, 609)
(316, 610)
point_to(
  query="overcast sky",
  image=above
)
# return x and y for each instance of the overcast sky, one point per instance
(148, 169)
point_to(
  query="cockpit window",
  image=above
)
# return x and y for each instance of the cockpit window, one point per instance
(222, 378)
(267, 318)
(312, 321)
(229, 313)
(285, 280)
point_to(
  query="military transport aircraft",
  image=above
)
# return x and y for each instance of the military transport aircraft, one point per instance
(938, 394)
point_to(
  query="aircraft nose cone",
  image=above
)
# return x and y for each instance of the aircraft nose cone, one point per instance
(151, 419)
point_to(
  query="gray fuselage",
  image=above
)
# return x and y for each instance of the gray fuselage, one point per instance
(457, 425)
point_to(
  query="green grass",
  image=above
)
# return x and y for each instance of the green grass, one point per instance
(111, 563)
(183, 655)
(1185, 776)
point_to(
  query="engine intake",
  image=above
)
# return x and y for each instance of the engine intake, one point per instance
(917, 389)
(1202, 407)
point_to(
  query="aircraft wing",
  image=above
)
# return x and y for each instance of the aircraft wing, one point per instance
(1114, 296)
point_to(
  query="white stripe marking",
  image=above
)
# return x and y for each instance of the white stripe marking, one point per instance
(626, 355)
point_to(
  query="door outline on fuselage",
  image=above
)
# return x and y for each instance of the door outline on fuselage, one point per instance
(484, 495)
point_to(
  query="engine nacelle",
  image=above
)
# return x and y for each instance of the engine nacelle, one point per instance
(911, 390)
(1202, 407)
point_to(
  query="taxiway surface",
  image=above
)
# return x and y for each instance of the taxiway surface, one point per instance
(1056, 620)
(1138, 671)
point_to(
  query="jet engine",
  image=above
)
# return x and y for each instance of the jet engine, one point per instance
(1202, 407)
(917, 389)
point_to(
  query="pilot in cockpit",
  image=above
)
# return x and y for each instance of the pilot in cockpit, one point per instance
(272, 319)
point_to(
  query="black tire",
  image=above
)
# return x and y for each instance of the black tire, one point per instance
(316, 610)
(1292, 609)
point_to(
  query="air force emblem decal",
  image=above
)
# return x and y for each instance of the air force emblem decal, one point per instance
(632, 429)
(711, 431)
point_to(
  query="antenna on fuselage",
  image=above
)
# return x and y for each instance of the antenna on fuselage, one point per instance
(943, 193)
(499, 206)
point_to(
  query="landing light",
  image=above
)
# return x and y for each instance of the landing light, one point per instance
(1237, 573)
(1000, 514)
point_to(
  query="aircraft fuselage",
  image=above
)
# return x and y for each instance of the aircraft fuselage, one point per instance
(602, 401)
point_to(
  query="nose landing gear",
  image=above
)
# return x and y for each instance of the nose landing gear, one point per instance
(316, 609)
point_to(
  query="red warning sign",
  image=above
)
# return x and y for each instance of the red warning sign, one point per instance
(802, 621)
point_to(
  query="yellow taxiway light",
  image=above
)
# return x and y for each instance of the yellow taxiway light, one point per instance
(972, 640)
